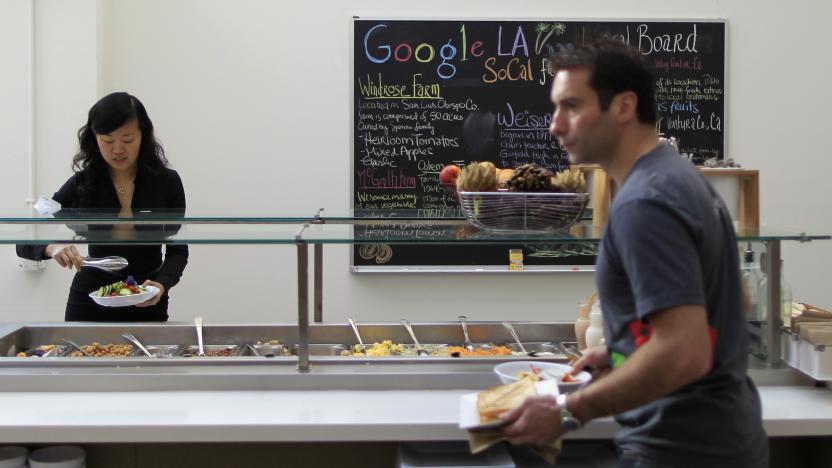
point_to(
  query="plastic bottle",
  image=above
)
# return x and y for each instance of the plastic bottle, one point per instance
(595, 332)
(751, 277)
(581, 325)
(785, 298)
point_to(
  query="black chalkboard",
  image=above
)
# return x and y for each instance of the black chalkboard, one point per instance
(433, 92)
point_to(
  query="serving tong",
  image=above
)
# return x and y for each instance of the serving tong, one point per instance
(111, 264)
(463, 320)
(131, 338)
(360, 346)
(77, 346)
(198, 323)
(510, 328)
(421, 352)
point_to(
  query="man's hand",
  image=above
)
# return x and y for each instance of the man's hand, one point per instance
(155, 299)
(67, 256)
(535, 422)
(597, 357)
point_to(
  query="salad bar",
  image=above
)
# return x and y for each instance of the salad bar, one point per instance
(257, 356)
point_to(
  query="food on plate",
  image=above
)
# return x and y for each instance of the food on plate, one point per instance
(37, 352)
(477, 177)
(457, 351)
(121, 288)
(104, 350)
(449, 174)
(548, 374)
(495, 401)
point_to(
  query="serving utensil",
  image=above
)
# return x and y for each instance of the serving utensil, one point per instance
(419, 351)
(510, 328)
(77, 346)
(198, 323)
(463, 320)
(111, 264)
(129, 337)
(357, 335)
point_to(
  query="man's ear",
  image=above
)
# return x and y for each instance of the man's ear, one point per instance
(624, 106)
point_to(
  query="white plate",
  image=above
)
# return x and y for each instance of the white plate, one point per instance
(509, 372)
(124, 301)
(469, 418)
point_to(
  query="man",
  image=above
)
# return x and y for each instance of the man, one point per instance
(669, 282)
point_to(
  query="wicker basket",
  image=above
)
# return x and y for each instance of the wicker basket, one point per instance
(523, 211)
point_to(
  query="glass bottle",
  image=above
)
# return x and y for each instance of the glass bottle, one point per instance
(751, 277)
(785, 298)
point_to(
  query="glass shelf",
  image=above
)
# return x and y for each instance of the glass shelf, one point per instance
(348, 227)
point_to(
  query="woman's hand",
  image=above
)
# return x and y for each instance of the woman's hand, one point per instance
(155, 299)
(67, 256)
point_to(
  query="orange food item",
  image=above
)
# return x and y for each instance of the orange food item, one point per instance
(495, 351)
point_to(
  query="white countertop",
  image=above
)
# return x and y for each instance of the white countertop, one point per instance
(318, 415)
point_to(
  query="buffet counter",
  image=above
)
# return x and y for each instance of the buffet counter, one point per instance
(260, 399)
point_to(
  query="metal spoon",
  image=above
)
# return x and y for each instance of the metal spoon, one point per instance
(357, 335)
(198, 323)
(105, 263)
(419, 351)
(463, 320)
(510, 328)
(129, 337)
(77, 346)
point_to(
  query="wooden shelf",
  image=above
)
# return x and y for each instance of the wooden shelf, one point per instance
(748, 180)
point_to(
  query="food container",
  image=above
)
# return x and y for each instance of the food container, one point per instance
(542, 349)
(815, 360)
(98, 350)
(162, 351)
(268, 350)
(45, 351)
(505, 211)
(212, 351)
(488, 350)
(322, 349)
(790, 348)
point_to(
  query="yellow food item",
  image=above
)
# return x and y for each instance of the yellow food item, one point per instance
(569, 181)
(385, 348)
(480, 177)
(495, 401)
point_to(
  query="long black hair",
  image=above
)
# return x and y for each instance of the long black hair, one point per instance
(107, 115)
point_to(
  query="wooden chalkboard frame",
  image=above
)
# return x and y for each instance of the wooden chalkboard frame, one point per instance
(361, 264)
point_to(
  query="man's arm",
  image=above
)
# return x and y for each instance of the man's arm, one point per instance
(677, 353)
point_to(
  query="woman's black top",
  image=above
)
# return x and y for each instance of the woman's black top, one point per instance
(160, 189)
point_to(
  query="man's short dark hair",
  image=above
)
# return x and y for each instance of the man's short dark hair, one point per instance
(614, 68)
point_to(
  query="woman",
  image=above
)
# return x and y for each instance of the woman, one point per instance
(120, 168)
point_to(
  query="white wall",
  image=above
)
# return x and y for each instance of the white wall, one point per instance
(251, 99)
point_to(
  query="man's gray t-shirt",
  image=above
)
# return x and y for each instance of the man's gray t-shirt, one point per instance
(670, 241)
